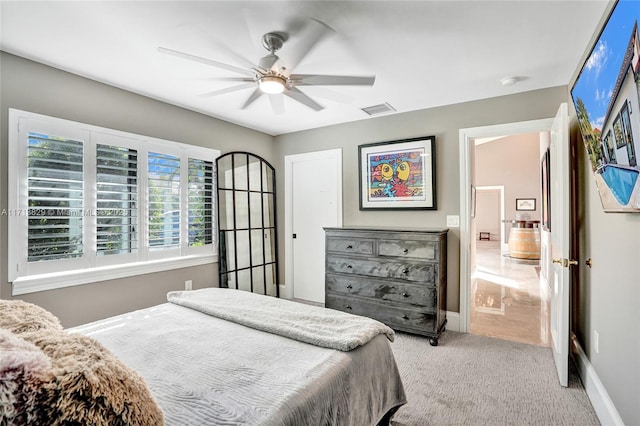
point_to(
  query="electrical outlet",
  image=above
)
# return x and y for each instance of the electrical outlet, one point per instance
(453, 221)
(188, 285)
(596, 342)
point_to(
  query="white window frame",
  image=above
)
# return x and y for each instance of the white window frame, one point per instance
(29, 277)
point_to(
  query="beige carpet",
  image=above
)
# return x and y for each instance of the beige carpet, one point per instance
(477, 380)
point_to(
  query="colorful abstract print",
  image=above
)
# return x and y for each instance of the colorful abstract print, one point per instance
(396, 175)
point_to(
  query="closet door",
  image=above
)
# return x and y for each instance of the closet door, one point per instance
(247, 223)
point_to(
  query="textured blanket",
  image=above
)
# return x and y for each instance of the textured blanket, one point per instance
(51, 377)
(205, 370)
(310, 324)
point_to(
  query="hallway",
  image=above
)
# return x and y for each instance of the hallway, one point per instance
(506, 298)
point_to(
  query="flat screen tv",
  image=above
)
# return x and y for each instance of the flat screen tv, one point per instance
(606, 96)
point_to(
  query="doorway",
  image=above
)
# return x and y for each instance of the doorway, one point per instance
(507, 300)
(492, 252)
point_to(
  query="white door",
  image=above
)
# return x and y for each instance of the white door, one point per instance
(315, 202)
(558, 251)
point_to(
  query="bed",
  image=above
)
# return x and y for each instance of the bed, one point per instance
(228, 357)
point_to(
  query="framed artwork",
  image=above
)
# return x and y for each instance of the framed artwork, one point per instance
(546, 192)
(525, 204)
(398, 174)
(606, 98)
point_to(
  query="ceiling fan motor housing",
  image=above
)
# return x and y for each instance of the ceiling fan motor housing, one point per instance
(273, 41)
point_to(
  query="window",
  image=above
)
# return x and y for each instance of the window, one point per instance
(117, 200)
(617, 131)
(200, 202)
(54, 198)
(89, 204)
(609, 145)
(164, 201)
(628, 135)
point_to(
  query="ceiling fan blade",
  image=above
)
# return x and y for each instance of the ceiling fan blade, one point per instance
(312, 32)
(206, 61)
(332, 80)
(277, 104)
(252, 21)
(255, 95)
(302, 98)
(205, 35)
(243, 79)
(229, 89)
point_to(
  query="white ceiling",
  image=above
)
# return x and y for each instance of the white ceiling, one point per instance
(423, 53)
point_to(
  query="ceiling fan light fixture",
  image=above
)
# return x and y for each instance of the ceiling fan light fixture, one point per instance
(271, 84)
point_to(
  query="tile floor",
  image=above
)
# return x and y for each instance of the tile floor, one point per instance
(507, 299)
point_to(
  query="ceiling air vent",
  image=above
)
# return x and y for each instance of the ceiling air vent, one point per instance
(379, 109)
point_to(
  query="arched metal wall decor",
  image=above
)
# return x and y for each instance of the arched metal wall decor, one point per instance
(247, 238)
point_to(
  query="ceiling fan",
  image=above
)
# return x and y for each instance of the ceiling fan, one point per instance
(273, 77)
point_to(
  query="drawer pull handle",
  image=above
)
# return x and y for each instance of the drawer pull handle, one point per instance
(405, 294)
(405, 251)
(405, 271)
(348, 307)
(405, 317)
(349, 286)
(349, 267)
(349, 247)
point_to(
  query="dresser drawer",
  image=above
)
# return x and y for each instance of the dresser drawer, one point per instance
(402, 317)
(411, 294)
(424, 273)
(407, 248)
(349, 245)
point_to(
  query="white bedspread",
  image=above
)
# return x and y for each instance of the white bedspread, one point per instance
(327, 328)
(207, 371)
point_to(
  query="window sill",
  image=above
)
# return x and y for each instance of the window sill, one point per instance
(36, 283)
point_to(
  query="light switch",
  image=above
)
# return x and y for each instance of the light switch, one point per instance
(453, 221)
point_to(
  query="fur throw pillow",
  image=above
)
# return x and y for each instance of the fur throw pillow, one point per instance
(19, 317)
(91, 386)
(24, 369)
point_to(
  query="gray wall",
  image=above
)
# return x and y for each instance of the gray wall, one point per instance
(443, 122)
(512, 161)
(607, 296)
(34, 87)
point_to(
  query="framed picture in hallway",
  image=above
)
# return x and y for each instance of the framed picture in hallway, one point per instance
(398, 175)
(525, 204)
(546, 192)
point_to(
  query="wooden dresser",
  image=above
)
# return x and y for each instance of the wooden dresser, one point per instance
(396, 276)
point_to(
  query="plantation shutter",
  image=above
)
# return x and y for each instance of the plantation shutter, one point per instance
(200, 202)
(163, 201)
(117, 200)
(55, 197)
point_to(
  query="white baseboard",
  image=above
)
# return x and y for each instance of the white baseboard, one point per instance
(453, 321)
(285, 291)
(602, 404)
